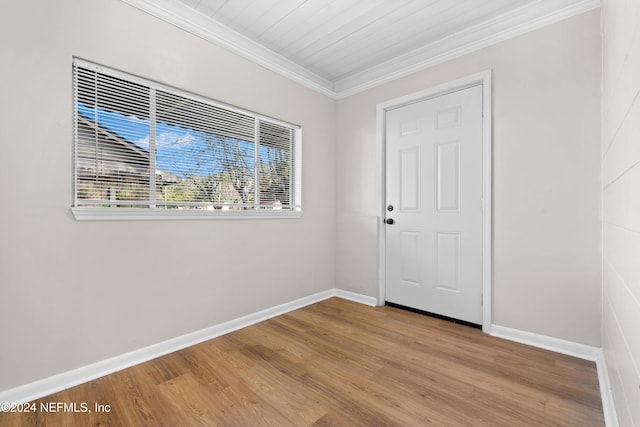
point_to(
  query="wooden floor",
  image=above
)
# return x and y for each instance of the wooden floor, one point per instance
(339, 363)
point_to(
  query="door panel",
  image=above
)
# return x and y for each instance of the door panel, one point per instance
(410, 253)
(448, 261)
(447, 174)
(434, 182)
(410, 179)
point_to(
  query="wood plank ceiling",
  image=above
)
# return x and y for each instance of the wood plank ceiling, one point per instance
(342, 45)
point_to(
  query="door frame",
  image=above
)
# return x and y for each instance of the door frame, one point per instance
(484, 79)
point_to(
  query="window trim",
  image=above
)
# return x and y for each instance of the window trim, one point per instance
(85, 213)
(135, 214)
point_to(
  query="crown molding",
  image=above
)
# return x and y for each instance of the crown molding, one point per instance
(535, 15)
(503, 27)
(180, 15)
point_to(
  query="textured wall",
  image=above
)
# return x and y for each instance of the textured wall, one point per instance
(621, 204)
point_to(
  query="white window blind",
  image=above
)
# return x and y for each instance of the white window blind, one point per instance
(143, 145)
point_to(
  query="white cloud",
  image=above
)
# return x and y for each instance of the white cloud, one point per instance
(168, 140)
(174, 139)
(142, 142)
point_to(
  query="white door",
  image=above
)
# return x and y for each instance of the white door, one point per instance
(434, 205)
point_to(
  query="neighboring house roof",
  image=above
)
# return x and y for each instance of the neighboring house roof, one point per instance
(118, 158)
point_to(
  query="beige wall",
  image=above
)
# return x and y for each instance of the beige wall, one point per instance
(74, 293)
(621, 204)
(546, 178)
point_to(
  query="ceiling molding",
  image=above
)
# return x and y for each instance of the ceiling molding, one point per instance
(181, 16)
(514, 23)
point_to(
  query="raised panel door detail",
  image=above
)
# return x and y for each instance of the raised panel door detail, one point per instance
(410, 250)
(448, 261)
(447, 180)
(410, 179)
(409, 127)
(451, 117)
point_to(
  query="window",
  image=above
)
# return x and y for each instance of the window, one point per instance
(143, 149)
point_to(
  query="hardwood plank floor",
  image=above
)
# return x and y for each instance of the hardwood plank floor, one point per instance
(339, 363)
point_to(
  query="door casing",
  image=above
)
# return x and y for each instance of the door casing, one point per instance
(484, 79)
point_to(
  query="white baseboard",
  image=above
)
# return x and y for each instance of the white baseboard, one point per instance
(570, 348)
(608, 406)
(352, 296)
(558, 345)
(44, 387)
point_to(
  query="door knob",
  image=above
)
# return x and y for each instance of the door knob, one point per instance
(389, 221)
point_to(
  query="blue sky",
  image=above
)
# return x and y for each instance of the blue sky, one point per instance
(179, 150)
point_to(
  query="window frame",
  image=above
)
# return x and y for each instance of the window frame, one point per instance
(154, 213)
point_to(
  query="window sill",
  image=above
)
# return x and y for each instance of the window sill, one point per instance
(132, 214)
